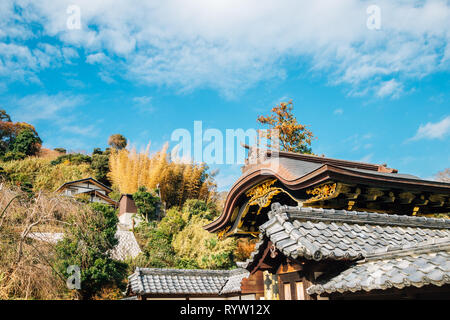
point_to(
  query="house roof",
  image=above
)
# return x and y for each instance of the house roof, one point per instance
(101, 195)
(299, 172)
(90, 179)
(400, 267)
(319, 234)
(152, 281)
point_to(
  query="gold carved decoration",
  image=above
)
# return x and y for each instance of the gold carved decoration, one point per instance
(350, 205)
(221, 233)
(262, 194)
(323, 192)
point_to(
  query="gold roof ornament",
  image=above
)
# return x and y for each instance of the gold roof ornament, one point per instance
(262, 194)
(323, 192)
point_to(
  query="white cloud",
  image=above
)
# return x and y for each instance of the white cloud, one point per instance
(390, 88)
(142, 100)
(97, 58)
(230, 45)
(37, 107)
(339, 111)
(143, 104)
(88, 130)
(60, 111)
(437, 130)
(366, 158)
(358, 141)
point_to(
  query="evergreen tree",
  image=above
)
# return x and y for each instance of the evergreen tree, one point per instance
(87, 243)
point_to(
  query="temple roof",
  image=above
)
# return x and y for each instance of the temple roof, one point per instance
(327, 234)
(148, 281)
(357, 185)
(415, 265)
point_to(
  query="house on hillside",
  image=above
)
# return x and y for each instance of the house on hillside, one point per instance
(94, 190)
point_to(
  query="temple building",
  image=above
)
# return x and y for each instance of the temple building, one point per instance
(336, 229)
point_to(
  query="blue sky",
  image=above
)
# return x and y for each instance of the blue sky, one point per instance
(147, 68)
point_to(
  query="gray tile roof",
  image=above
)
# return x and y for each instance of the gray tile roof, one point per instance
(344, 235)
(253, 255)
(182, 281)
(233, 284)
(126, 248)
(399, 267)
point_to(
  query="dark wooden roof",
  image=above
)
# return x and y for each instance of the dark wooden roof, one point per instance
(90, 179)
(298, 172)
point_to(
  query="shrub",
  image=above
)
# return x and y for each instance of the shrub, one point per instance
(146, 203)
(196, 244)
(42, 175)
(72, 158)
(14, 155)
(87, 242)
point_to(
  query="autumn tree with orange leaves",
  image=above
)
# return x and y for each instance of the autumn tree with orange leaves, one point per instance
(292, 136)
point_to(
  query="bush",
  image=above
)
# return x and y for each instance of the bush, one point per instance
(13, 155)
(87, 242)
(156, 245)
(146, 203)
(42, 175)
(196, 244)
(72, 158)
(61, 150)
(179, 240)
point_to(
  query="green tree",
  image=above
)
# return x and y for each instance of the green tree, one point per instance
(173, 222)
(72, 158)
(146, 203)
(87, 243)
(29, 142)
(117, 141)
(61, 150)
(292, 136)
(194, 243)
(156, 245)
(100, 163)
(26, 142)
(180, 241)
